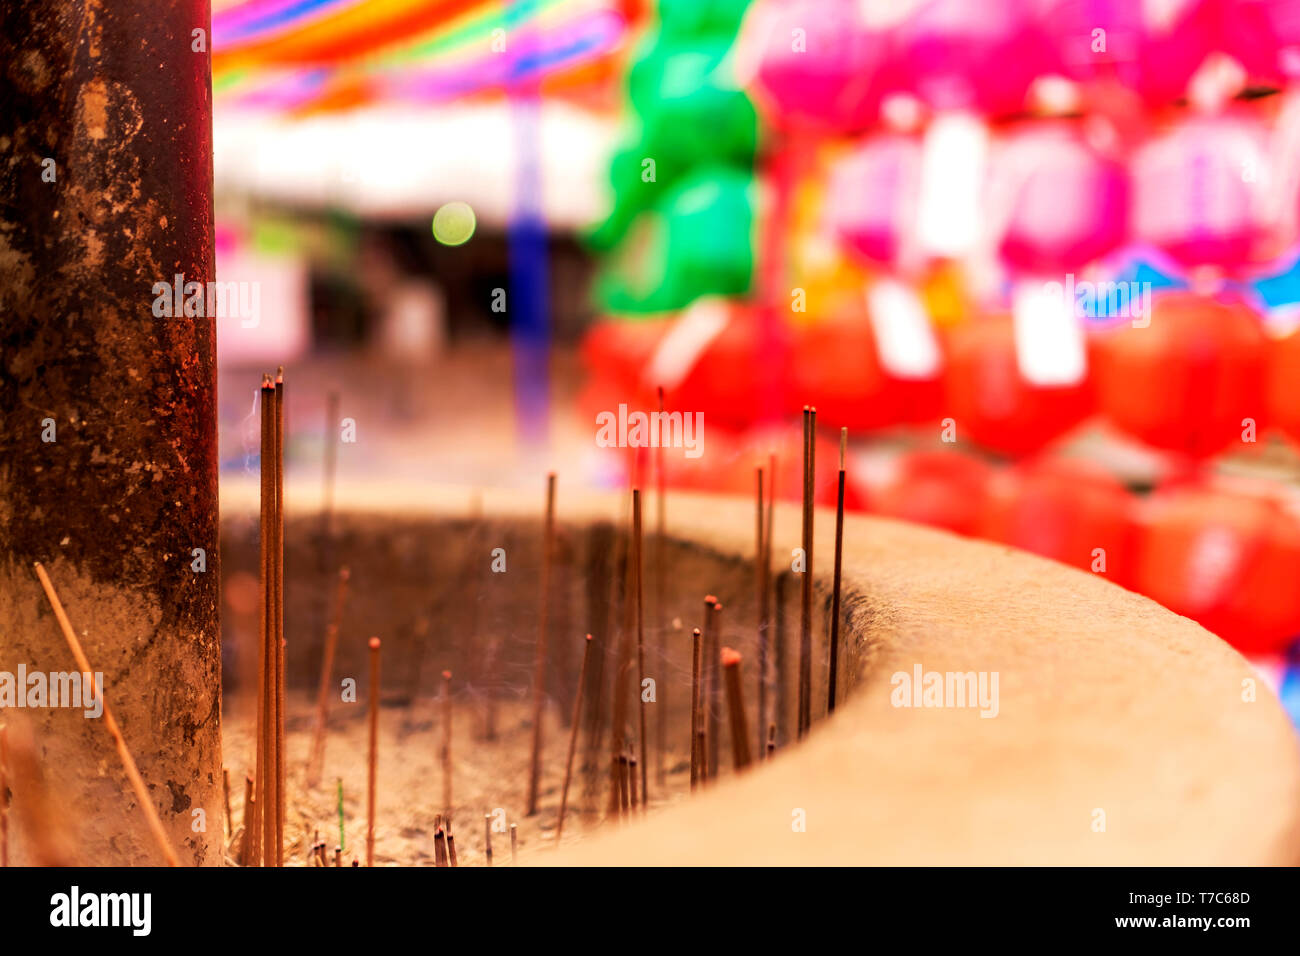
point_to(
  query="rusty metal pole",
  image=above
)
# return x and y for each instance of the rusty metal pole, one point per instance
(108, 414)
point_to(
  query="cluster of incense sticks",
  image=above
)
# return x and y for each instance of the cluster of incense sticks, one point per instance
(317, 758)
(806, 595)
(267, 847)
(133, 774)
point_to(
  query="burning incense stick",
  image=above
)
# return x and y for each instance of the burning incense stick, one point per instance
(342, 842)
(137, 782)
(771, 739)
(696, 652)
(514, 843)
(573, 735)
(539, 672)
(736, 707)
(765, 599)
(487, 836)
(624, 800)
(278, 605)
(631, 777)
(638, 595)
(374, 748)
(451, 847)
(759, 560)
(660, 579)
(835, 587)
(439, 848)
(326, 671)
(446, 741)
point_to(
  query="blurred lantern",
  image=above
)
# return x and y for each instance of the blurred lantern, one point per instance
(729, 460)
(996, 399)
(943, 489)
(1190, 381)
(697, 242)
(1225, 559)
(1195, 192)
(854, 367)
(1067, 509)
(1066, 205)
(873, 196)
(1283, 398)
(1152, 48)
(818, 64)
(982, 57)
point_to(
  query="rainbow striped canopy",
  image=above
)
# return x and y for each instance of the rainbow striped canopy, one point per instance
(303, 56)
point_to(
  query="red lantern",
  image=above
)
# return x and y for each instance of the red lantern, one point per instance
(1283, 398)
(1067, 509)
(1228, 559)
(1191, 381)
(943, 489)
(992, 402)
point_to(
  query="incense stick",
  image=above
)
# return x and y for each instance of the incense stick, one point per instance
(487, 836)
(278, 605)
(835, 587)
(225, 788)
(771, 739)
(250, 823)
(736, 707)
(326, 670)
(573, 735)
(805, 612)
(374, 747)
(765, 602)
(262, 805)
(696, 653)
(439, 848)
(137, 782)
(624, 800)
(4, 796)
(759, 555)
(451, 847)
(713, 727)
(539, 672)
(631, 777)
(514, 843)
(660, 578)
(446, 741)
(640, 642)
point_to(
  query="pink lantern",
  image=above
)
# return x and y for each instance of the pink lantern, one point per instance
(872, 196)
(963, 55)
(819, 64)
(1153, 48)
(1194, 192)
(1067, 204)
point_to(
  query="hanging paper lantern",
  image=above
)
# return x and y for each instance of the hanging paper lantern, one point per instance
(1068, 205)
(1227, 559)
(1188, 381)
(818, 64)
(1067, 509)
(1153, 49)
(873, 195)
(1283, 398)
(992, 401)
(838, 366)
(943, 489)
(958, 55)
(1194, 192)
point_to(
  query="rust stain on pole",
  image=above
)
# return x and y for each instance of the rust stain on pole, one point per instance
(108, 449)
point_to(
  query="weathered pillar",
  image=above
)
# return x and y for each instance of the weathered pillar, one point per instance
(108, 427)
